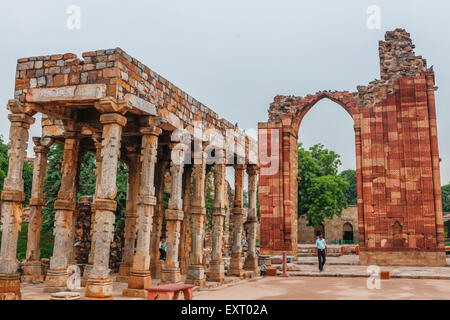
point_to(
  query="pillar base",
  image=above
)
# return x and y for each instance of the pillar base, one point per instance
(139, 280)
(32, 272)
(196, 275)
(124, 273)
(236, 265)
(10, 287)
(134, 293)
(98, 289)
(56, 280)
(156, 268)
(216, 271)
(251, 264)
(170, 275)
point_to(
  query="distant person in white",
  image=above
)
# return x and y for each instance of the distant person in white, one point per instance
(321, 248)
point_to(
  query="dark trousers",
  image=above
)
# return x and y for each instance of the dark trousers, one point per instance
(162, 254)
(322, 258)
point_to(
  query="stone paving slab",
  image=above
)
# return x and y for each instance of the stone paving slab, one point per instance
(337, 270)
(36, 291)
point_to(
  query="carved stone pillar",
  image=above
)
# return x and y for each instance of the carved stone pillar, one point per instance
(185, 226)
(216, 270)
(32, 270)
(174, 217)
(238, 214)
(130, 216)
(251, 261)
(99, 284)
(140, 273)
(155, 262)
(98, 173)
(12, 197)
(196, 269)
(65, 206)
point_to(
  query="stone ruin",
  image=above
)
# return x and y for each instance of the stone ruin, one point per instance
(112, 105)
(398, 176)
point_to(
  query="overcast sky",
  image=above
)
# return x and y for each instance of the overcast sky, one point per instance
(235, 56)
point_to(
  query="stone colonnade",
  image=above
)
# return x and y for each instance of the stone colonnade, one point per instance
(185, 216)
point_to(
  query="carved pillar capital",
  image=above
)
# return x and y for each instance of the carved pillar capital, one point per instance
(113, 118)
(252, 169)
(151, 130)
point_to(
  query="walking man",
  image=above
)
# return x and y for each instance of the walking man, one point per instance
(162, 248)
(321, 251)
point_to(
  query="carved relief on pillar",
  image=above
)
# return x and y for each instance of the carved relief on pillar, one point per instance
(216, 270)
(185, 238)
(196, 270)
(32, 270)
(236, 264)
(174, 216)
(99, 284)
(251, 261)
(140, 273)
(155, 262)
(98, 172)
(12, 197)
(65, 205)
(134, 169)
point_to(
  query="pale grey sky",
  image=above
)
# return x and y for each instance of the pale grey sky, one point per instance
(235, 56)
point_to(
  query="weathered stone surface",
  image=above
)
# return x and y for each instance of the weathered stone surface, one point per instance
(32, 270)
(398, 175)
(146, 201)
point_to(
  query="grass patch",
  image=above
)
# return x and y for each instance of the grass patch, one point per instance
(46, 243)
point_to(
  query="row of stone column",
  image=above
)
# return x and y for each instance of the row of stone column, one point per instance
(141, 242)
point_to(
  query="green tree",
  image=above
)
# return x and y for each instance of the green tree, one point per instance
(446, 198)
(52, 183)
(321, 191)
(350, 193)
(86, 185)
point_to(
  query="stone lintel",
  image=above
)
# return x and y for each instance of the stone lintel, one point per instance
(79, 93)
(141, 104)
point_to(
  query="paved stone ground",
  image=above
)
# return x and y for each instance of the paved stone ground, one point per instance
(348, 266)
(36, 291)
(296, 288)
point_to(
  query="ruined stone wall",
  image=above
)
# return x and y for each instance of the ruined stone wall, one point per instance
(333, 227)
(397, 159)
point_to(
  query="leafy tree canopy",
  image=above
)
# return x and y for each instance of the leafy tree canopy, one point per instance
(446, 198)
(351, 193)
(321, 191)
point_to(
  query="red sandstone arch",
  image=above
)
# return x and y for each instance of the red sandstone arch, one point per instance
(397, 162)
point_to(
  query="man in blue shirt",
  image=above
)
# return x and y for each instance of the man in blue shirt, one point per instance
(321, 248)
